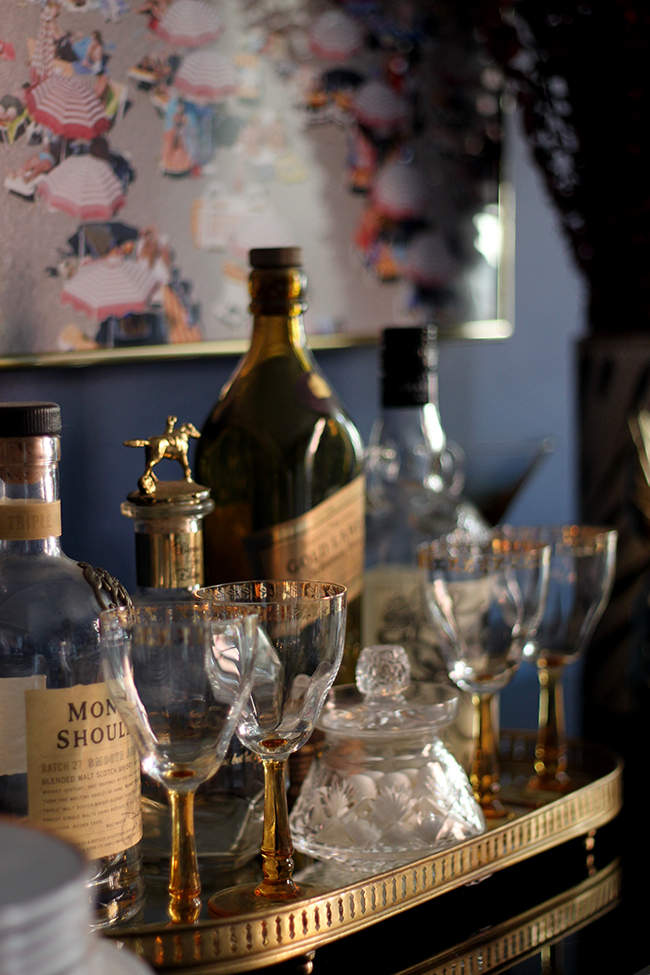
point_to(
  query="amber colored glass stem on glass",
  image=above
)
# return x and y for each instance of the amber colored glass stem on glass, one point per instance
(277, 848)
(484, 772)
(551, 749)
(184, 882)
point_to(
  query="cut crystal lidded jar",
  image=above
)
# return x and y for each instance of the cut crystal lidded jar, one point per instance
(385, 789)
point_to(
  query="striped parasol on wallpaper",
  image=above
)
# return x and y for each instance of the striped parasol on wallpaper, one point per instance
(83, 186)
(110, 286)
(68, 107)
(377, 106)
(429, 261)
(335, 36)
(206, 77)
(400, 191)
(190, 23)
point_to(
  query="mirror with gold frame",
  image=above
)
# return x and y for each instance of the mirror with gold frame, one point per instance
(147, 145)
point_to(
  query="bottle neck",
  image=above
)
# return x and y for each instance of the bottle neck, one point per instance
(413, 438)
(30, 508)
(278, 301)
(169, 544)
(276, 335)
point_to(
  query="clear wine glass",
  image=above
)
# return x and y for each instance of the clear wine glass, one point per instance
(298, 650)
(583, 561)
(179, 677)
(485, 598)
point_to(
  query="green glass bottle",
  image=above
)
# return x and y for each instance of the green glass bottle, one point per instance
(282, 459)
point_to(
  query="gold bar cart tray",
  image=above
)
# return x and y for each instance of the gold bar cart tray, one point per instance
(248, 942)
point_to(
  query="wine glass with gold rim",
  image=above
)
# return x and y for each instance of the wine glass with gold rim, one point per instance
(583, 561)
(179, 677)
(300, 632)
(485, 598)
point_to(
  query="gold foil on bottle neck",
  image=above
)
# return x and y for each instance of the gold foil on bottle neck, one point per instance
(169, 534)
(278, 291)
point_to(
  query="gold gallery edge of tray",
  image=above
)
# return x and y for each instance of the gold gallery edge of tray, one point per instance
(225, 945)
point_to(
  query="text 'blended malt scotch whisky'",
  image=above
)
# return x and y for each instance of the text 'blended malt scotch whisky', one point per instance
(67, 762)
(282, 459)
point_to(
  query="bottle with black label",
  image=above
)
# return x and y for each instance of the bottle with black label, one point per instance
(67, 763)
(168, 521)
(413, 496)
(283, 461)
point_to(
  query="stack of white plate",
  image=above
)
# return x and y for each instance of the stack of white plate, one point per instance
(45, 911)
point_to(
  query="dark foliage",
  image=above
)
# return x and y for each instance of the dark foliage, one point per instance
(581, 72)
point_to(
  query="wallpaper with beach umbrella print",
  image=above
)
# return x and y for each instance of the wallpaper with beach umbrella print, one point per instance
(167, 137)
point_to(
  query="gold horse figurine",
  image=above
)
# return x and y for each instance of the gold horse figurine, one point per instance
(171, 445)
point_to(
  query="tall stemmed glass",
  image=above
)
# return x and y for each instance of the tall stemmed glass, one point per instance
(583, 561)
(485, 599)
(179, 678)
(299, 646)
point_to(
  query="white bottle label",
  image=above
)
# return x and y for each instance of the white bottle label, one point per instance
(29, 520)
(83, 772)
(13, 750)
(393, 611)
(324, 545)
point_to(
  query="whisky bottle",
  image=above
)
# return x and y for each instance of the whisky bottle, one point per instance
(413, 495)
(67, 763)
(168, 521)
(282, 459)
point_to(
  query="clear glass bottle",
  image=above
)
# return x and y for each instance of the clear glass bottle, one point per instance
(283, 461)
(229, 808)
(413, 495)
(67, 764)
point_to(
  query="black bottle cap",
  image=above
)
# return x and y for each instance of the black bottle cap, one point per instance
(30, 420)
(409, 358)
(275, 257)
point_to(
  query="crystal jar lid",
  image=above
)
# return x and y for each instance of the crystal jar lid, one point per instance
(385, 702)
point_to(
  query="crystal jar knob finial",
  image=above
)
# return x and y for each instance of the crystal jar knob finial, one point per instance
(383, 670)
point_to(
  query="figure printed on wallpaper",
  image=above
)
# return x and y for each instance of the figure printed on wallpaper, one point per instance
(113, 10)
(11, 106)
(7, 51)
(90, 54)
(179, 155)
(361, 161)
(173, 444)
(155, 10)
(24, 180)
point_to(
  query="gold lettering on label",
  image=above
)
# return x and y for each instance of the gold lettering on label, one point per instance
(325, 545)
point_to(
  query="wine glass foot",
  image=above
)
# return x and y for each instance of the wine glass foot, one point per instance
(183, 910)
(247, 899)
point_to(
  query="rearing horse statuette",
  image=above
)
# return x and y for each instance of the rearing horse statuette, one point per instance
(171, 445)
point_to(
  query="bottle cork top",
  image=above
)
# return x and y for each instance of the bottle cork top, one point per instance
(275, 257)
(30, 419)
(408, 359)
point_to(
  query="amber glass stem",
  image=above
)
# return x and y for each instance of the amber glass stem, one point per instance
(277, 848)
(484, 773)
(184, 882)
(551, 749)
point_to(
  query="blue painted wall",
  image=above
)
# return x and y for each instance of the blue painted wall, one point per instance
(515, 389)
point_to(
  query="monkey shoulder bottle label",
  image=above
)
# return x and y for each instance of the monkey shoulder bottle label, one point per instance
(326, 544)
(83, 773)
